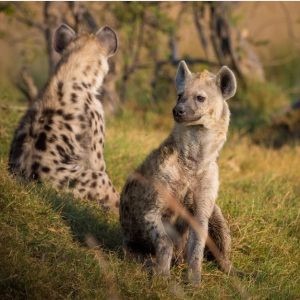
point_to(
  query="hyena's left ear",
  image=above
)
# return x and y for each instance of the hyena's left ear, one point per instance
(226, 81)
(108, 39)
(63, 36)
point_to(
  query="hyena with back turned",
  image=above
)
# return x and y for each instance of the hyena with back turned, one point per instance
(186, 165)
(60, 139)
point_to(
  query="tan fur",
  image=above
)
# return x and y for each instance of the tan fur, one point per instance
(186, 165)
(61, 137)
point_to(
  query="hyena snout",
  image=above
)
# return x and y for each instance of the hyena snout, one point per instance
(179, 112)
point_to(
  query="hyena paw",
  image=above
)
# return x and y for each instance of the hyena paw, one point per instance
(162, 270)
(194, 273)
(194, 277)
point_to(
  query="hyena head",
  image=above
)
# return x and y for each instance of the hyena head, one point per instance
(104, 42)
(202, 96)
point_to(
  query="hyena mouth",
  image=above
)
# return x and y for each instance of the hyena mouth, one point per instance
(187, 119)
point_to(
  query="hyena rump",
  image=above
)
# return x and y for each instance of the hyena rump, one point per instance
(60, 139)
(186, 165)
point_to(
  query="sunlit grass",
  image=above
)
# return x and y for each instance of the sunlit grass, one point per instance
(42, 237)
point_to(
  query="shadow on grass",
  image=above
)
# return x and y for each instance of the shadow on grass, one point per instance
(84, 219)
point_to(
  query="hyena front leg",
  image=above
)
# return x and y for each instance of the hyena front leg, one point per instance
(204, 200)
(161, 241)
(96, 186)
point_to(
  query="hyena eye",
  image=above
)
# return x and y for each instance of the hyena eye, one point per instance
(200, 98)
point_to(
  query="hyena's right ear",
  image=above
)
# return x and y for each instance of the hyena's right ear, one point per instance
(63, 36)
(182, 74)
(108, 39)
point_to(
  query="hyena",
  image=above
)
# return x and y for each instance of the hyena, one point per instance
(60, 138)
(186, 165)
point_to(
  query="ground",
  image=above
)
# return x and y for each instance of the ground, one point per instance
(44, 235)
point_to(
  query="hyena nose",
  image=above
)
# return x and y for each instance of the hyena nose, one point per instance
(179, 111)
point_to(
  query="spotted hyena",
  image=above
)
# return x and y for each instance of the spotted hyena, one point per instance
(60, 139)
(186, 165)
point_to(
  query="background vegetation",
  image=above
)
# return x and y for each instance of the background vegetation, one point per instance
(48, 239)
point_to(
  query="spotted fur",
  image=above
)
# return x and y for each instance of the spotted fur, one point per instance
(186, 165)
(60, 139)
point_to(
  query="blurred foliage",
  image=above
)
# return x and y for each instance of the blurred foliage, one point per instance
(6, 8)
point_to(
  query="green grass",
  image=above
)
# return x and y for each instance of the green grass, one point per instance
(43, 251)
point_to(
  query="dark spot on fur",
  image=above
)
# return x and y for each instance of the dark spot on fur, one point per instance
(94, 184)
(86, 108)
(67, 142)
(60, 112)
(98, 97)
(47, 127)
(94, 175)
(69, 117)
(45, 169)
(48, 112)
(34, 169)
(76, 87)
(53, 138)
(60, 169)
(65, 157)
(60, 94)
(99, 155)
(78, 137)
(81, 118)
(68, 127)
(74, 98)
(40, 143)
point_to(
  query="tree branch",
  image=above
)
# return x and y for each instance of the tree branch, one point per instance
(27, 86)
(24, 18)
(198, 13)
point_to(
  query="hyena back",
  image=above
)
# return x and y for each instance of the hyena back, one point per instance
(186, 165)
(60, 139)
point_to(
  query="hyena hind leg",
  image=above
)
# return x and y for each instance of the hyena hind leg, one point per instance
(219, 232)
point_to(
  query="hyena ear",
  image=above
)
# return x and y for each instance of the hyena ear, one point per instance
(226, 81)
(63, 36)
(108, 39)
(182, 74)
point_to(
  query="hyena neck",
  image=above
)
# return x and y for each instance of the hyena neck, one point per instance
(198, 145)
(77, 74)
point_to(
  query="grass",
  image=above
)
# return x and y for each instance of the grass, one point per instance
(43, 251)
